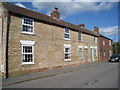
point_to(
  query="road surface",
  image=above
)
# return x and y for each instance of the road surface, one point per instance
(103, 75)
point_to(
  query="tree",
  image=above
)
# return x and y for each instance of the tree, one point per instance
(116, 48)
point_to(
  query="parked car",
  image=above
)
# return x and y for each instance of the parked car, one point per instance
(114, 58)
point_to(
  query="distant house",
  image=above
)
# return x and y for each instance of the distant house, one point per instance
(31, 41)
(106, 48)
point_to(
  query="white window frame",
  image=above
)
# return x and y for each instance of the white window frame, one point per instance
(110, 53)
(95, 54)
(27, 25)
(103, 42)
(109, 42)
(27, 43)
(67, 33)
(79, 34)
(104, 54)
(80, 47)
(67, 46)
(95, 39)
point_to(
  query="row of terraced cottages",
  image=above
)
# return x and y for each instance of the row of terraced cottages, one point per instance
(31, 41)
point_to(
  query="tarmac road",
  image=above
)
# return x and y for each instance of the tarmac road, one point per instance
(103, 75)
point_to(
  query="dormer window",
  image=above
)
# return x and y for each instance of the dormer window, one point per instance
(28, 26)
(67, 34)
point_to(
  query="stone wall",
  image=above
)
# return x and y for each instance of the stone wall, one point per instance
(48, 49)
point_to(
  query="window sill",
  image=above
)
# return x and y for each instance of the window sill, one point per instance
(81, 58)
(67, 60)
(67, 39)
(28, 63)
(28, 33)
(80, 41)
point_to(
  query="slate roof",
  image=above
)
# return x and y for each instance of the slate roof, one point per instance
(35, 15)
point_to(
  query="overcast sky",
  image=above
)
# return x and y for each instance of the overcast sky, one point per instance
(101, 14)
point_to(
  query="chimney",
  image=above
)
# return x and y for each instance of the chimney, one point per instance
(81, 25)
(55, 14)
(96, 29)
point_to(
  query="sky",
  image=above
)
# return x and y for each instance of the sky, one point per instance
(104, 15)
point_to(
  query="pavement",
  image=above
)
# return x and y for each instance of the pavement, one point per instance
(43, 74)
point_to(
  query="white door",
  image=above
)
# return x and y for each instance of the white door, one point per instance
(91, 54)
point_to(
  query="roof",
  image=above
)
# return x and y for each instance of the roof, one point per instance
(33, 14)
(105, 37)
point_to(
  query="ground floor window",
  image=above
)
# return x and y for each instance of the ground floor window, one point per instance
(80, 52)
(95, 52)
(104, 53)
(110, 53)
(67, 52)
(27, 52)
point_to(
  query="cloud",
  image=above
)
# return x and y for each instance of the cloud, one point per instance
(68, 8)
(109, 30)
(20, 4)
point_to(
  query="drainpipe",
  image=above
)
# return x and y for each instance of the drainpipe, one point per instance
(7, 40)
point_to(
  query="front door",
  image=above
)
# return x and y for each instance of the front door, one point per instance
(86, 54)
(91, 54)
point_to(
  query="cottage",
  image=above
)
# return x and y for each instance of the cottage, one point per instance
(31, 41)
(105, 44)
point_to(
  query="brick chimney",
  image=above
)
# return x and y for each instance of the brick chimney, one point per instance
(96, 29)
(81, 25)
(55, 14)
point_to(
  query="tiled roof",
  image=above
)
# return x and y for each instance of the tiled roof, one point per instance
(105, 37)
(35, 15)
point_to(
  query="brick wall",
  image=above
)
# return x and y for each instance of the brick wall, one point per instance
(106, 47)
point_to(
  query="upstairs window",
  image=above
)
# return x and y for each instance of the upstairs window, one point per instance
(103, 42)
(95, 52)
(28, 26)
(109, 42)
(67, 34)
(79, 36)
(95, 39)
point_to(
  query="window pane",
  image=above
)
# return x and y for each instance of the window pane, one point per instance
(67, 49)
(79, 37)
(27, 28)
(28, 21)
(27, 57)
(79, 33)
(27, 49)
(80, 54)
(67, 56)
(67, 30)
(67, 36)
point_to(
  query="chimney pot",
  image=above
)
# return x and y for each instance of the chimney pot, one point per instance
(55, 14)
(96, 29)
(81, 25)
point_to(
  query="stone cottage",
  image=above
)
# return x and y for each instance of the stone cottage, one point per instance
(32, 42)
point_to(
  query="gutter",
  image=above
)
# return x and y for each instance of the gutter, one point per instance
(7, 40)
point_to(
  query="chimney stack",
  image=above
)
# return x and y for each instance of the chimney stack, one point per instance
(55, 14)
(96, 29)
(81, 25)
